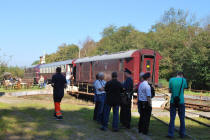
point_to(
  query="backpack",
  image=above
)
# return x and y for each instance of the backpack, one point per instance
(152, 91)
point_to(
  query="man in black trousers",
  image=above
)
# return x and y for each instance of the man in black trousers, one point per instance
(125, 110)
(113, 90)
(58, 84)
(145, 104)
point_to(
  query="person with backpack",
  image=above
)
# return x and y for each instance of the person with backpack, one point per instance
(145, 104)
(176, 88)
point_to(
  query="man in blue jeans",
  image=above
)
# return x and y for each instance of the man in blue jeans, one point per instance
(113, 90)
(100, 96)
(176, 88)
(96, 102)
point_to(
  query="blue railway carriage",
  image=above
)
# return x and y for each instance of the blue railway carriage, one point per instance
(33, 74)
(47, 70)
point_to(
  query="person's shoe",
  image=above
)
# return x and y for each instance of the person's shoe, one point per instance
(54, 115)
(169, 137)
(59, 118)
(182, 136)
(115, 130)
(145, 133)
(103, 129)
(128, 126)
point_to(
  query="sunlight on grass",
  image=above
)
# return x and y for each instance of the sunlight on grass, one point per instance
(33, 119)
(192, 128)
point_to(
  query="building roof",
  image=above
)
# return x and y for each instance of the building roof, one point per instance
(118, 55)
(54, 64)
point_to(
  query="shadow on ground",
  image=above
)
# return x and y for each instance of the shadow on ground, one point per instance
(38, 123)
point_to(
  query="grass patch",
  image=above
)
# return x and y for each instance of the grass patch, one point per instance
(196, 93)
(32, 119)
(163, 83)
(192, 128)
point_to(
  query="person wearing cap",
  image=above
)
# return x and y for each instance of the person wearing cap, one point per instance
(144, 104)
(140, 81)
(100, 96)
(58, 84)
(125, 109)
(113, 90)
(176, 88)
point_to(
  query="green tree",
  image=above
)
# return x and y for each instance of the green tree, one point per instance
(117, 39)
(88, 48)
(184, 46)
(64, 52)
(36, 62)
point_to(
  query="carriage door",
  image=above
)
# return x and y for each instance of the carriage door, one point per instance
(148, 62)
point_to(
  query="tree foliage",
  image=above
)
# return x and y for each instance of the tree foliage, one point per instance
(64, 52)
(178, 37)
(88, 48)
(36, 62)
(183, 44)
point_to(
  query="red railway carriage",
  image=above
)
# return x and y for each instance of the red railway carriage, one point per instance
(137, 61)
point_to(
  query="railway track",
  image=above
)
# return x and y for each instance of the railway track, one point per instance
(199, 107)
(193, 106)
(192, 119)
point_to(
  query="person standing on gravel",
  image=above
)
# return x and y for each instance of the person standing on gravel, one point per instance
(176, 88)
(58, 84)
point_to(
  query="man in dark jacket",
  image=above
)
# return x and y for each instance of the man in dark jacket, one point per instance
(58, 84)
(113, 90)
(125, 109)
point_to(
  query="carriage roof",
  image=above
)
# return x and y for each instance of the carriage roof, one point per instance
(54, 64)
(119, 55)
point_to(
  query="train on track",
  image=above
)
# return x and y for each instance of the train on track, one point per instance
(83, 70)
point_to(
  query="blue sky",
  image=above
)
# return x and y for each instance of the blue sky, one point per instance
(30, 27)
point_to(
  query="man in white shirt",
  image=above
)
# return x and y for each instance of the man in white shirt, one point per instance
(145, 104)
(96, 102)
(100, 96)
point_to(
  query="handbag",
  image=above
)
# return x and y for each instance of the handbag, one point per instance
(124, 98)
(177, 98)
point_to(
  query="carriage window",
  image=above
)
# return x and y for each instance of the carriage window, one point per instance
(148, 65)
(121, 65)
(62, 68)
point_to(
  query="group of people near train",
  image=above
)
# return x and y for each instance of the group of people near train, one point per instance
(117, 96)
